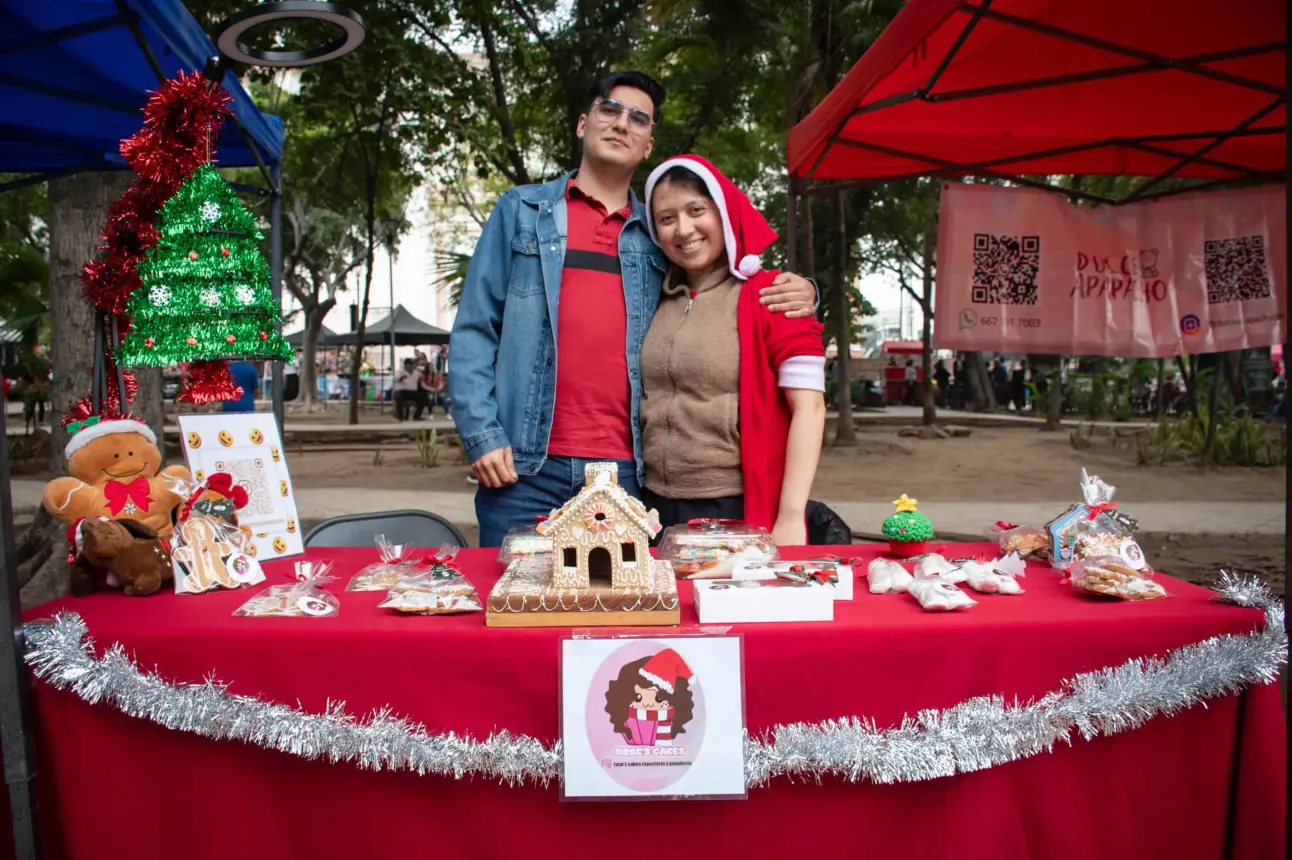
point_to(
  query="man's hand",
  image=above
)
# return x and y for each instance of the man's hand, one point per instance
(495, 469)
(791, 295)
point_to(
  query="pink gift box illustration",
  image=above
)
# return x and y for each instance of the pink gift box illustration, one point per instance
(650, 728)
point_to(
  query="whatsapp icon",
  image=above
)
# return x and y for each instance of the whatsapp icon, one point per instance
(968, 318)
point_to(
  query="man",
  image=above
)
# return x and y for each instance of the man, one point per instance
(407, 383)
(244, 374)
(909, 375)
(528, 422)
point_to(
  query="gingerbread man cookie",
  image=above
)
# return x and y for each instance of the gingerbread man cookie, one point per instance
(202, 549)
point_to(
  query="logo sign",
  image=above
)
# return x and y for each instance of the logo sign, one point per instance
(652, 717)
(1190, 324)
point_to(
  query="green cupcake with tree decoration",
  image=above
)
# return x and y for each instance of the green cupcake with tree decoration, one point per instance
(907, 529)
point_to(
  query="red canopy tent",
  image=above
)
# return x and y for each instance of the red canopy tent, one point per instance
(1003, 88)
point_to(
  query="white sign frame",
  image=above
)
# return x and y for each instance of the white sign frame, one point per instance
(701, 753)
(248, 446)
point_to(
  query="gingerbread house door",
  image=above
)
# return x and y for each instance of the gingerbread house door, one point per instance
(600, 565)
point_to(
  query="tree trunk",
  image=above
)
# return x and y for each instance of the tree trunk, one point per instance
(76, 207)
(926, 308)
(1213, 412)
(984, 399)
(844, 432)
(308, 396)
(1054, 397)
(1160, 406)
(357, 359)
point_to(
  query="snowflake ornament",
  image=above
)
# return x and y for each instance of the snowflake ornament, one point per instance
(210, 297)
(210, 212)
(159, 295)
(245, 294)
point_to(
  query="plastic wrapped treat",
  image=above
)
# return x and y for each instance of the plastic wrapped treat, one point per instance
(935, 565)
(524, 542)
(701, 544)
(394, 561)
(1096, 518)
(441, 590)
(885, 576)
(936, 595)
(1032, 544)
(995, 577)
(304, 598)
(1112, 577)
(208, 548)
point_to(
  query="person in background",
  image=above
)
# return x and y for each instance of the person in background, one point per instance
(1018, 386)
(908, 396)
(943, 377)
(431, 387)
(407, 389)
(244, 374)
(292, 378)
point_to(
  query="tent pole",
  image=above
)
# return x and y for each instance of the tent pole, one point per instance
(276, 284)
(16, 747)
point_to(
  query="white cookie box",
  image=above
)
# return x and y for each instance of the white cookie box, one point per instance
(732, 601)
(842, 590)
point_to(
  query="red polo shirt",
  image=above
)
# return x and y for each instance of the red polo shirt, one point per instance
(592, 417)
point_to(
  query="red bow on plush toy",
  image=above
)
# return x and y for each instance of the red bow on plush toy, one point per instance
(119, 495)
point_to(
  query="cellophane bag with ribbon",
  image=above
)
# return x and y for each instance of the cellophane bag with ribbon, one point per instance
(1109, 575)
(304, 598)
(1097, 519)
(394, 561)
(1032, 544)
(439, 590)
(937, 595)
(208, 549)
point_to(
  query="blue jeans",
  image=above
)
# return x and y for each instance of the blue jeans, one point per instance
(559, 480)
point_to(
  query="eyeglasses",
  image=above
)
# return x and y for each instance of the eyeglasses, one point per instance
(608, 110)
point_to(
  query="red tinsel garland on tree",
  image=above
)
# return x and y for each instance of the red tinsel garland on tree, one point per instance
(179, 120)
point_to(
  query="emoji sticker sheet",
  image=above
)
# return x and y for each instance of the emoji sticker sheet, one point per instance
(248, 447)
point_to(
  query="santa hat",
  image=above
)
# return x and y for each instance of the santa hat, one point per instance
(744, 229)
(665, 669)
(94, 427)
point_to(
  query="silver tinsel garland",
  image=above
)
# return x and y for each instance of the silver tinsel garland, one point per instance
(974, 735)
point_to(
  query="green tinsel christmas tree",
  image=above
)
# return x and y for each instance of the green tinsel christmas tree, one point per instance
(906, 528)
(205, 293)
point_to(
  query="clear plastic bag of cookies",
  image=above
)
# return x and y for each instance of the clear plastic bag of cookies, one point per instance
(704, 543)
(440, 590)
(394, 560)
(304, 598)
(1111, 576)
(1032, 544)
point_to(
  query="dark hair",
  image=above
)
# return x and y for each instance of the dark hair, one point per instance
(638, 81)
(687, 178)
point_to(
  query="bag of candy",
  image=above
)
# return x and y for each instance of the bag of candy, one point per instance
(999, 576)
(303, 598)
(938, 595)
(1097, 518)
(208, 548)
(1111, 576)
(395, 560)
(1032, 544)
(884, 576)
(935, 565)
(440, 590)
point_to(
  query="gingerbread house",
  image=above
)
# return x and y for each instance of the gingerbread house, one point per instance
(602, 533)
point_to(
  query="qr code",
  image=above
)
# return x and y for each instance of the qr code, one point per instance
(1005, 269)
(1236, 269)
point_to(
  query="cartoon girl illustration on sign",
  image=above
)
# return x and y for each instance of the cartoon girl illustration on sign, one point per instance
(650, 702)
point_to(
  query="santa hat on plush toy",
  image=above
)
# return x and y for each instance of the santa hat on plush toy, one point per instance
(745, 231)
(665, 669)
(96, 427)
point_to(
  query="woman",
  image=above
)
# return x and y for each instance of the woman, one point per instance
(733, 409)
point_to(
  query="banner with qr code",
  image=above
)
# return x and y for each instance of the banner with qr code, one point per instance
(1021, 270)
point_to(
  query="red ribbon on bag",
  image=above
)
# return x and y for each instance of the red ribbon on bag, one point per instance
(1004, 526)
(1100, 507)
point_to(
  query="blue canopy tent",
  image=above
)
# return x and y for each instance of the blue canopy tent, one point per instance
(74, 76)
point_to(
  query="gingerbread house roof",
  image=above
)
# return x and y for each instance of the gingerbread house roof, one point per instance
(633, 511)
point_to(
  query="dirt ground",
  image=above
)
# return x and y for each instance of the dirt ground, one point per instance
(991, 464)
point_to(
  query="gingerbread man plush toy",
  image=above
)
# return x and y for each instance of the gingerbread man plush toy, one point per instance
(113, 466)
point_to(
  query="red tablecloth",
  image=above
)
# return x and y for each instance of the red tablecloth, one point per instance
(1207, 783)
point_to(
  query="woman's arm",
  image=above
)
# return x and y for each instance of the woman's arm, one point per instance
(802, 452)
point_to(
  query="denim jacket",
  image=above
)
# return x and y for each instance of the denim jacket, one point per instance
(502, 353)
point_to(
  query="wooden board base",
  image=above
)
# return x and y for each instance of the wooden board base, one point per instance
(524, 597)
